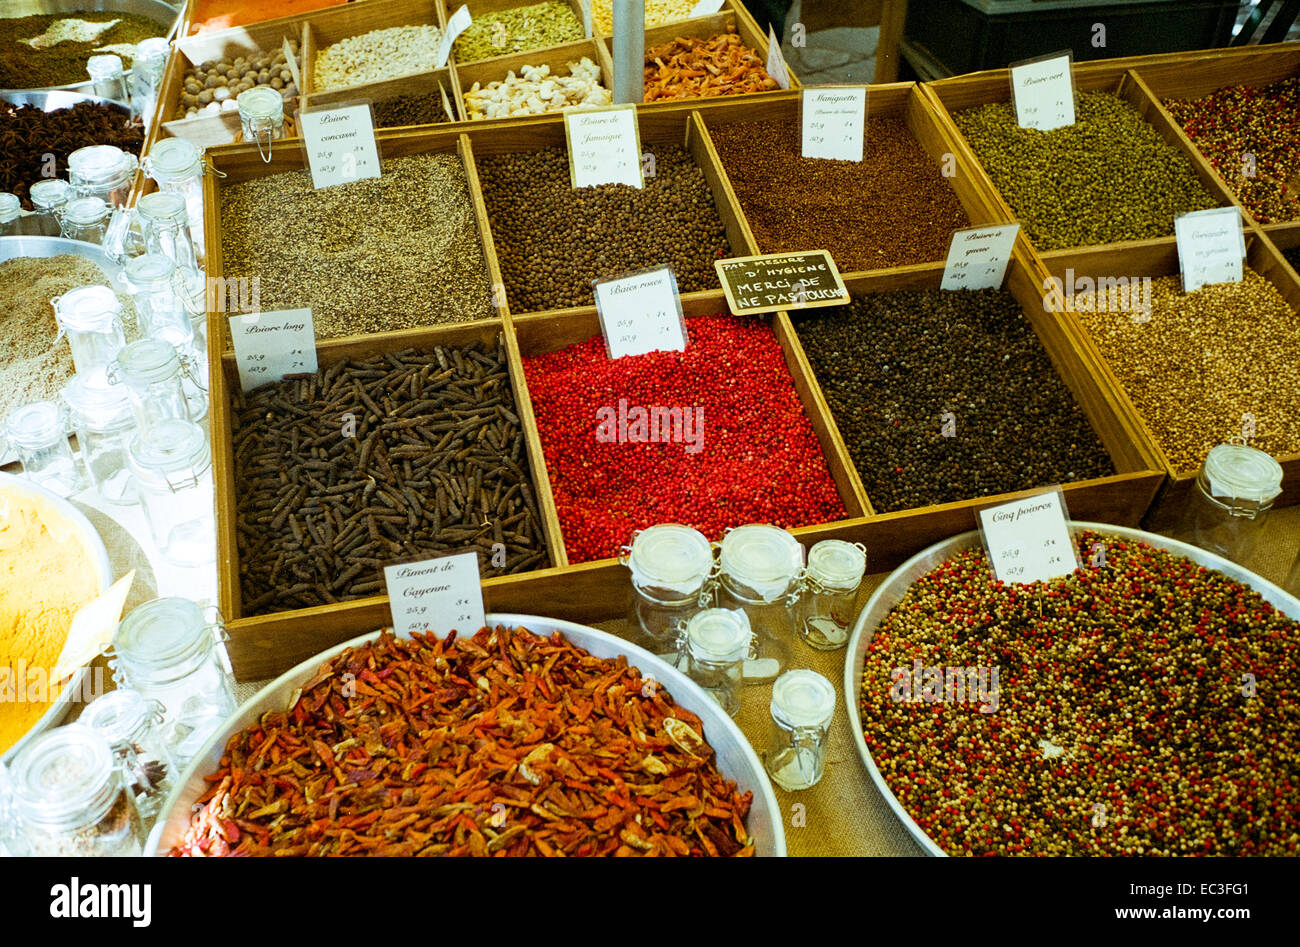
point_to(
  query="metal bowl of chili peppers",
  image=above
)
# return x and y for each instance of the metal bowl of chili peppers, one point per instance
(732, 755)
(901, 581)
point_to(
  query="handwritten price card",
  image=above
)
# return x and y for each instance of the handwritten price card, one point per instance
(460, 21)
(1210, 247)
(604, 146)
(340, 145)
(776, 60)
(978, 257)
(834, 122)
(1043, 91)
(641, 313)
(1029, 540)
(270, 345)
(438, 595)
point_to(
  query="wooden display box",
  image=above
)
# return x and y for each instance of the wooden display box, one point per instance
(1160, 258)
(962, 92)
(1192, 76)
(486, 71)
(902, 100)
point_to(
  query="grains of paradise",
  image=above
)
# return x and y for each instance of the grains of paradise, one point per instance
(744, 450)
(507, 743)
(1146, 705)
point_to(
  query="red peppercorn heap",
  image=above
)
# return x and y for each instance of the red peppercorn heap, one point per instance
(1146, 706)
(1252, 138)
(758, 459)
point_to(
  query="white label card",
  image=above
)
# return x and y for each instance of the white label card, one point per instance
(1044, 93)
(834, 123)
(340, 145)
(292, 60)
(641, 313)
(978, 257)
(604, 147)
(706, 8)
(439, 595)
(776, 60)
(1029, 540)
(1210, 247)
(270, 345)
(459, 23)
(586, 17)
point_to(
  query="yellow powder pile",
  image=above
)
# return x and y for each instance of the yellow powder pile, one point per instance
(46, 574)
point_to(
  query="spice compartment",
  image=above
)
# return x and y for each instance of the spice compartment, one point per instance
(1193, 76)
(557, 58)
(1160, 259)
(482, 9)
(1121, 497)
(324, 28)
(222, 128)
(949, 96)
(440, 85)
(236, 164)
(896, 102)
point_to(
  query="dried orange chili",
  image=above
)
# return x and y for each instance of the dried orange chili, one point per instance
(694, 68)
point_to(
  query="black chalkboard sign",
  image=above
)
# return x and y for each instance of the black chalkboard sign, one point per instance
(804, 280)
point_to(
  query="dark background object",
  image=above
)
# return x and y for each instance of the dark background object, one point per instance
(950, 37)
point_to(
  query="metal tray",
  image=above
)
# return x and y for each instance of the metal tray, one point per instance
(735, 757)
(166, 15)
(902, 579)
(98, 553)
(48, 100)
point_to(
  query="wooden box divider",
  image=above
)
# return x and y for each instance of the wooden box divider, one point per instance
(1160, 258)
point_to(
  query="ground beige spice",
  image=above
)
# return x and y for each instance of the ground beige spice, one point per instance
(1206, 365)
(32, 366)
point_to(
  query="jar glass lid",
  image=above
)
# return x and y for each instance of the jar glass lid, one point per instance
(671, 556)
(171, 447)
(150, 50)
(52, 192)
(63, 773)
(261, 102)
(803, 698)
(35, 425)
(120, 716)
(1242, 473)
(86, 210)
(98, 161)
(149, 269)
(172, 158)
(104, 66)
(148, 360)
(163, 205)
(10, 205)
(84, 397)
(765, 558)
(88, 308)
(719, 634)
(836, 562)
(161, 632)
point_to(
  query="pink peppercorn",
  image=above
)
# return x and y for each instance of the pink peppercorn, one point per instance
(754, 458)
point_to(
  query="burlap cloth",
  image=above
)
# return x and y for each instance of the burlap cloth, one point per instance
(844, 814)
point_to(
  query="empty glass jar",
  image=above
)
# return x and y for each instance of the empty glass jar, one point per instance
(165, 227)
(102, 171)
(670, 565)
(261, 116)
(147, 66)
(69, 798)
(91, 319)
(830, 593)
(86, 219)
(38, 432)
(170, 651)
(11, 215)
(172, 466)
(48, 198)
(1234, 491)
(104, 422)
(177, 166)
(760, 571)
(803, 703)
(132, 725)
(151, 371)
(717, 643)
(109, 77)
(155, 289)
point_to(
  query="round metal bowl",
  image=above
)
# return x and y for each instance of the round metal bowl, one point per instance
(164, 14)
(901, 579)
(51, 101)
(98, 555)
(735, 758)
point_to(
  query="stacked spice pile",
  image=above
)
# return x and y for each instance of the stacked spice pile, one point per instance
(946, 396)
(893, 208)
(29, 136)
(1108, 177)
(553, 240)
(216, 84)
(370, 460)
(535, 91)
(1225, 351)
(657, 13)
(693, 68)
(52, 49)
(34, 363)
(373, 255)
(712, 437)
(1252, 138)
(379, 54)
(1117, 723)
(549, 752)
(520, 30)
